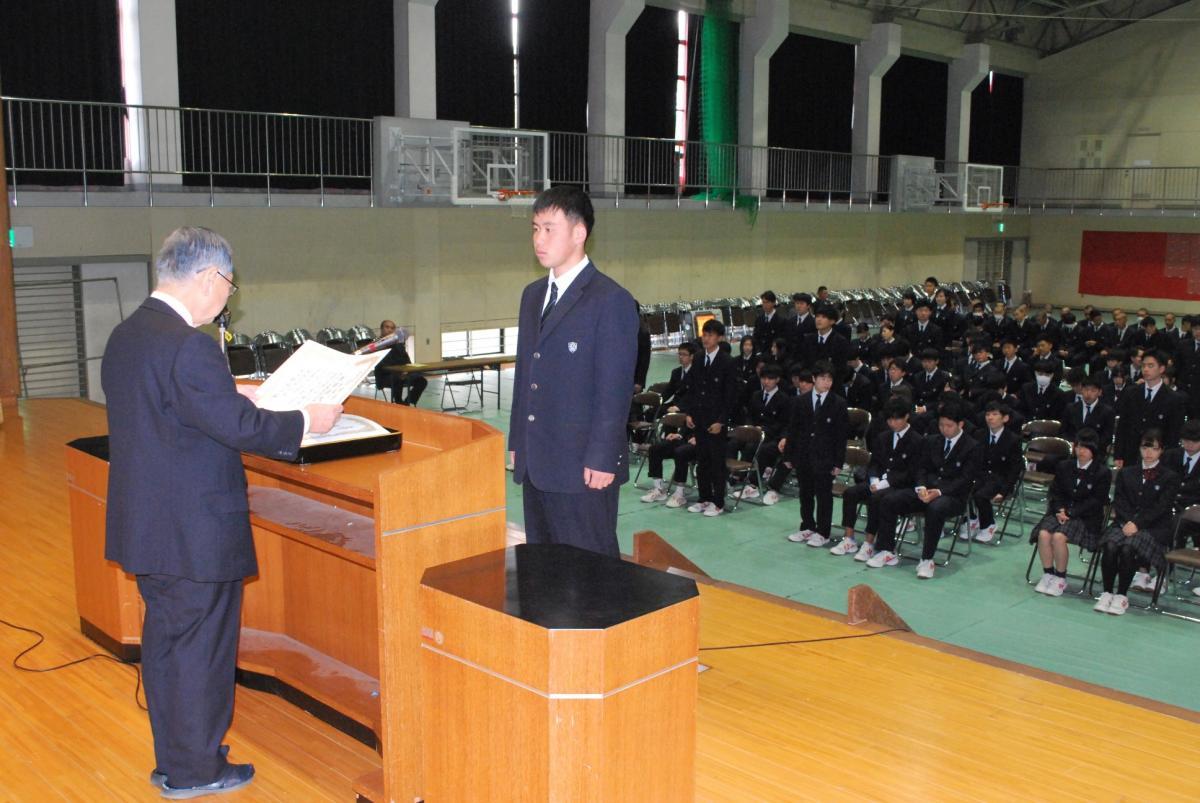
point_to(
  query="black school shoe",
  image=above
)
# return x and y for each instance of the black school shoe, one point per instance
(157, 778)
(235, 776)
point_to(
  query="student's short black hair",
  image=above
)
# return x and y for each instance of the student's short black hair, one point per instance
(895, 408)
(822, 289)
(800, 372)
(822, 368)
(1148, 321)
(805, 297)
(933, 279)
(998, 407)
(768, 295)
(955, 410)
(571, 201)
(1190, 431)
(713, 326)
(930, 354)
(689, 347)
(910, 295)
(981, 345)
(1159, 357)
(1076, 375)
(1152, 437)
(924, 302)
(1092, 382)
(826, 311)
(862, 327)
(1043, 367)
(771, 370)
(1008, 341)
(1068, 318)
(1120, 355)
(901, 364)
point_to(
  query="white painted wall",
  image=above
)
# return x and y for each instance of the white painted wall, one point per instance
(1137, 90)
(103, 310)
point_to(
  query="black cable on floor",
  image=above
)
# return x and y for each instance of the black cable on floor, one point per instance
(807, 640)
(40, 638)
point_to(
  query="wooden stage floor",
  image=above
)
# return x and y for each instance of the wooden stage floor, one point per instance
(889, 717)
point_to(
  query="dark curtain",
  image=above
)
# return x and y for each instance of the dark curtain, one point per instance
(913, 108)
(295, 56)
(650, 74)
(63, 50)
(811, 106)
(474, 62)
(811, 94)
(554, 64)
(996, 121)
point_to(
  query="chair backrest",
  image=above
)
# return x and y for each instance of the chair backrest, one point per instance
(1050, 447)
(673, 421)
(1191, 515)
(1041, 427)
(857, 456)
(860, 421)
(659, 387)
(648, 399)
(747, 435)
(243, 360)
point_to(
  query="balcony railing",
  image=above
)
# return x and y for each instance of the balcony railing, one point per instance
(103, 152)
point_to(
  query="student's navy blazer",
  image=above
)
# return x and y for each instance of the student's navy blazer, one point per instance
(573, 383)
(176, 486)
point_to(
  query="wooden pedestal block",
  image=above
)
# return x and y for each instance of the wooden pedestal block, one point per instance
(552, 673)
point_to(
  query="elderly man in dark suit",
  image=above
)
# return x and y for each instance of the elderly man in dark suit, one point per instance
(576, 353)
(178, 517)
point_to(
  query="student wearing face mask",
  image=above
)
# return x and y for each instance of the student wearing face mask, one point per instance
(1041, 398)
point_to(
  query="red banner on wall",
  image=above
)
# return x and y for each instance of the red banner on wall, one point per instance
(1140, 264)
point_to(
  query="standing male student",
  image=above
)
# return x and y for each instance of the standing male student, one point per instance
(709, 403)
(576, 352)
(178, 516)
(815, 445)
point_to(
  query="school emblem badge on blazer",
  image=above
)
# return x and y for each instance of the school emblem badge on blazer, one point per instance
(572, 347)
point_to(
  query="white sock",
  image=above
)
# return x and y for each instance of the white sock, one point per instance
(658, 484)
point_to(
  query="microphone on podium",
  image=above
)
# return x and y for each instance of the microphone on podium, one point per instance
(222, 321)
(382, 343)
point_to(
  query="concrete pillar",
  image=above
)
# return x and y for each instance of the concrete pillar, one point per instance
(609, 24)
(762, 35)
(150, 75)
(415, 59)
(966, 72)
(875, 57)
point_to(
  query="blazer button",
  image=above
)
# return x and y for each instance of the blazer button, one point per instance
(537, 355)
(531, 417)
(533, 386)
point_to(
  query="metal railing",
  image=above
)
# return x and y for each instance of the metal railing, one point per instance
(103, 146)
(109, 147)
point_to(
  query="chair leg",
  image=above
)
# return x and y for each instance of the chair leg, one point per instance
(1029, 568)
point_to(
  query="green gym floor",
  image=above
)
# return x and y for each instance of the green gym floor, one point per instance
(982, 602)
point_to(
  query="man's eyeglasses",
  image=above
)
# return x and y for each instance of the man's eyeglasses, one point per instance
(233, 287)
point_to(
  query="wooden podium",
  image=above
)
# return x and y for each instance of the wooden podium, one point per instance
(553, 673)
(341, 548)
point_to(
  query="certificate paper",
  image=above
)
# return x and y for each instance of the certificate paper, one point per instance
(315, 374)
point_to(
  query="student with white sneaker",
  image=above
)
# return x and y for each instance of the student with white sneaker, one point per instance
(948, 469)
(709, 403)
(895, 455)
(770, 408)
(999, 469)
(801, 381)
(1143, 508)
(815, 446)
(1075, 511)
(679, 446)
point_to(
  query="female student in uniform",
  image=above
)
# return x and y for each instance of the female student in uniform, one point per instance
(1140, 535)
(1075, 511)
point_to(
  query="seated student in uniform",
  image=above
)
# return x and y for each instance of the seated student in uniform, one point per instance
(1187, 460)
(394, 381)
(1074, 511)
(677, 384)
(1041, 399)
(770, 409)
(944, 479)
(745, 366)
(775, 478)
(860, 388)
(1091, 411)
(679, 446)
(1140, 534)
(929, 383)
(999, 470)
(815, 447)
(895, 454)
(780, 352)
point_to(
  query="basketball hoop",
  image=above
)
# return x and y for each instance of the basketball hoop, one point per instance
(504, 195)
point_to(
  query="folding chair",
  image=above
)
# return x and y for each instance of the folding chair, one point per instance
(952, 526)
(673, 422)
(745, 438)
(1041, 428)
(860, 424)
(1184, 557)
(856, 457)
(643, 412)
(1036, 452)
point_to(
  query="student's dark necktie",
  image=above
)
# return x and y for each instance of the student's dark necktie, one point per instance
(1087, 410)
(946, 453)
(994, 439)
(549, 304)
(1149, 395)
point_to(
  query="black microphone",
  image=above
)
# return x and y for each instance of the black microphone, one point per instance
(222, 322)
(381, 343)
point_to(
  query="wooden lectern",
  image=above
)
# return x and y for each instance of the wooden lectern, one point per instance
(341, 547)
(553, 673)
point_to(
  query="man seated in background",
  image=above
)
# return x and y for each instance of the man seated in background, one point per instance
(394, 381)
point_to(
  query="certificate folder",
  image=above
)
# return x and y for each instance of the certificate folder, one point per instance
(390, 441)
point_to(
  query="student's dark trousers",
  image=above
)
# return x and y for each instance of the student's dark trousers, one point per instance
(587, 519)
(710, 466)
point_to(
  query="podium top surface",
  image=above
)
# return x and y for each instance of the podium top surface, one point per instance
(560, 587)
